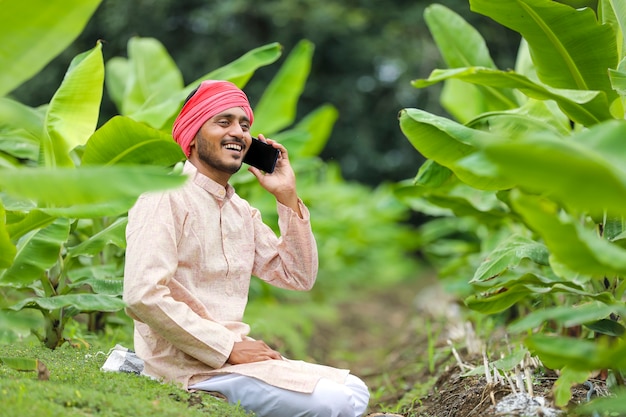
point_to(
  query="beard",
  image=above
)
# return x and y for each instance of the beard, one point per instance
(210, 156)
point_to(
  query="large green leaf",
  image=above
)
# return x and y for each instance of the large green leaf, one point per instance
(534, 116)
(459, 43)
(21, 128)
(527, 287)
(240, 70)
(566, 316)
(508, 255)
(36, 253)
(152, 79)
(568, 378)
(573, 245)
(7, 248)
(585, 107)
(319, 123)
(81, 302)
(73, 112)
(155, 74)
(87, 191)
(113, 234)
(570, 49)
(159, 110)
(447, 142)
(462, 46)
(277, 107)
(33, 219)
(585, 173)
(618, 78)
(557, 352)
(33, 32)
(124, 141)
(614, 12)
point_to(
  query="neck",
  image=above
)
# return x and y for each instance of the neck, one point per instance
(219, 177)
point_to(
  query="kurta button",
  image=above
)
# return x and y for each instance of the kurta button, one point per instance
(221, 193)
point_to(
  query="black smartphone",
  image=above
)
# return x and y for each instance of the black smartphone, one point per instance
(262, 156)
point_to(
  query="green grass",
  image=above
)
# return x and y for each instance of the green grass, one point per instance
(77, 387)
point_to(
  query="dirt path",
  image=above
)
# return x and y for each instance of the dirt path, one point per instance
(397, 340)
(389, 339)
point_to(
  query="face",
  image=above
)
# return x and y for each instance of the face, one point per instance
(221, 143)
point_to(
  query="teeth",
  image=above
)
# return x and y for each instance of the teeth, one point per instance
(233, 146)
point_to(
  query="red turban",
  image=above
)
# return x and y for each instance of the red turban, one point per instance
(211, 98)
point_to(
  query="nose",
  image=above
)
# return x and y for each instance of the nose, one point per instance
(236, 131)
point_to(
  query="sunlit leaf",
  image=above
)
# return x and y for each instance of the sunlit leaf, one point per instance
(21, 128)
(240, 70)
(81, 302)
(568, 378)
(557, 352)
(277, 107)
(580, 249)
(152, 81)
(7, 248)
(569, 47)
(319, 123)
(124, 141)
(447, 142)
(20, 364)
(508, 255)
(566, 316)
(585, 107)
(462, 46)
(30, 41)
(113, 234)
(585, 173)
(73, 113)
(36, 253)
(105, 286)
(614, 12)
(65, 187)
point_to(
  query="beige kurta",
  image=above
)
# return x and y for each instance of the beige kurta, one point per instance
(189, 258)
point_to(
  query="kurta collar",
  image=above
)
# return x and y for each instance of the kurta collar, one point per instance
(206, 183)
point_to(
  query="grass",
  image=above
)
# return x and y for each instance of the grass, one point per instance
(77, 387)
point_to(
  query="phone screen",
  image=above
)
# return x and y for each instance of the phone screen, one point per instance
(262, 156)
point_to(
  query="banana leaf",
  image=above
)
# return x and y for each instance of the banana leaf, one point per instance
(28, 43)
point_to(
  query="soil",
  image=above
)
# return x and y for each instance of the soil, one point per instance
(402, 341)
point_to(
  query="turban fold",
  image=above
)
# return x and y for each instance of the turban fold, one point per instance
(211, 98)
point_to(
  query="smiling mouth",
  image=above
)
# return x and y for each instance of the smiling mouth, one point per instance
(234, 147)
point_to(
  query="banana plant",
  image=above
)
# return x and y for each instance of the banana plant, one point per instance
(65, 188)
(526, 177)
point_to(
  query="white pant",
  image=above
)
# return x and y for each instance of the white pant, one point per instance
(329, 399)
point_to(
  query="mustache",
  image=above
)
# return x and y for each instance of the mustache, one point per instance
(238, 141)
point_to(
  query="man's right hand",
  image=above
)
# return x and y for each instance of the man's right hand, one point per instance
(249, 351)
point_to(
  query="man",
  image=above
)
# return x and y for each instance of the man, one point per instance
(190, 255)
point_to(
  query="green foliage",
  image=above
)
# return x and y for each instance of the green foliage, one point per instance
(528, 189)
(47, 32)
(67, 184)
(77, 387)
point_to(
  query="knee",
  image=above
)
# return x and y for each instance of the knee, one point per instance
(336, 406)
(339, 400)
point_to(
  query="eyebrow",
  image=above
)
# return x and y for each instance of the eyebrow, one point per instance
(231, 116)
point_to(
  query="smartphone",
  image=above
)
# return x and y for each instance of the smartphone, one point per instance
(262, 156)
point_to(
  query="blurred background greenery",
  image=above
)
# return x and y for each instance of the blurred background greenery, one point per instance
(366, 54)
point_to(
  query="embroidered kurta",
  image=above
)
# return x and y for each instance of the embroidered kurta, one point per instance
(189, 259)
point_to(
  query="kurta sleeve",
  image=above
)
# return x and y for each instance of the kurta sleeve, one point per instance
(152, 294)
(289, 261)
